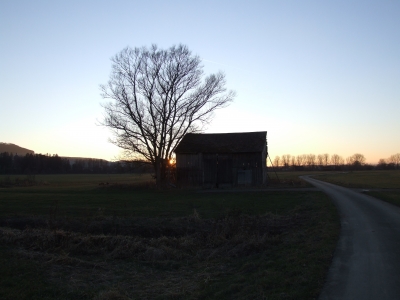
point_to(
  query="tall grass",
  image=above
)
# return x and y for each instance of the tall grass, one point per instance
(129, 242)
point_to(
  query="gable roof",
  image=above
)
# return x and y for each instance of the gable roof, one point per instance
(239, 142)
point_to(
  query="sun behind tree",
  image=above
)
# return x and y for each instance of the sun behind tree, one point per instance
(157, 96)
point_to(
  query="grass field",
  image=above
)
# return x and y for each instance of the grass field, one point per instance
(77, 237)
(290, 179)
(382, 179)
(76, 181)
(387, 181)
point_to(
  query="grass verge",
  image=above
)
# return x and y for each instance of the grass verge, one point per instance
(22, 278)
(388, 196)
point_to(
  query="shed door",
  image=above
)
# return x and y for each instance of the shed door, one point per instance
(217, 169)
(224, 165)
(210, 169)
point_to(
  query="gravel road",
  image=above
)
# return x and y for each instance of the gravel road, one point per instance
(366, 263)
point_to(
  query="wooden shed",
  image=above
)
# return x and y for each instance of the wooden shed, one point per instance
(222, 159)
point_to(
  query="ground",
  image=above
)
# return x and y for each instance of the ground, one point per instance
(82, 239)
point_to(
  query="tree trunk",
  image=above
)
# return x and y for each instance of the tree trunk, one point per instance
(158, 171)
(161, 171)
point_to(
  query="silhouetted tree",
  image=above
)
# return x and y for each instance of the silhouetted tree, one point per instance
(293, 162)
(286, 160)
(395, 160)
(337, 161)
(157, 97)
(382, 164)
(356, 161)
(325, 159)
(277, 161)
(6, 160)
(310, 160)
(320, 160)
(300, 160)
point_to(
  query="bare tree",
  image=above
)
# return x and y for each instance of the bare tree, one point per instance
(286, 160)
(157, 96)
(356, 160)
(395, 160)
(320, 160)
(310, 160)
(337, 160)
(277, 161)
(300, 160)
(382, 164)
(304, 156)
(325, 159)
(293, 161)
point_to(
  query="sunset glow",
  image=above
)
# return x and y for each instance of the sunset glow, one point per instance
(319, 77)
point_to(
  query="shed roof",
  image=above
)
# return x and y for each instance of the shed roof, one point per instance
(239, 142)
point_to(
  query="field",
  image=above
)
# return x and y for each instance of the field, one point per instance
(116, 237)
(387, 179)
(383, 184)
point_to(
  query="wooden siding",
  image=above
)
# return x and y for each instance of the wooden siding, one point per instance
(189, 169)
(218, 170)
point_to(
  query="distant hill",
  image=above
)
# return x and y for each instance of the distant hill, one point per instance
(74, 159)
(11, 148)
(15, 149)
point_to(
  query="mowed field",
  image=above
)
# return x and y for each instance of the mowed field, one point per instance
(382, 179)
(384, 184)
(117, 237)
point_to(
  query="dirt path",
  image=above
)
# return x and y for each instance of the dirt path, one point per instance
(366, 264)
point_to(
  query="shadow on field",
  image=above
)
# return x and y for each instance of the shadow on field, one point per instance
(151, 239)
(166, 256)
(240, 251)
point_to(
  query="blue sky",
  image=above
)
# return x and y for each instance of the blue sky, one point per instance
(319, 76)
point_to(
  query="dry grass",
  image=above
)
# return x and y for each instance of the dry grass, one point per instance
(172, 239)
(364, 179)
(74, 180)
(176, 258)
(385, 184)
(286, 179)
(75, 238)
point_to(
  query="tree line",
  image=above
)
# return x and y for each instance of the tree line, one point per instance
(53, 164)
(392, 162)
(325, 161)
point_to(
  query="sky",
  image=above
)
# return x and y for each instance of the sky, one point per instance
(318, 76)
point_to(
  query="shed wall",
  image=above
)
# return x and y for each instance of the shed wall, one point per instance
(221, 169)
